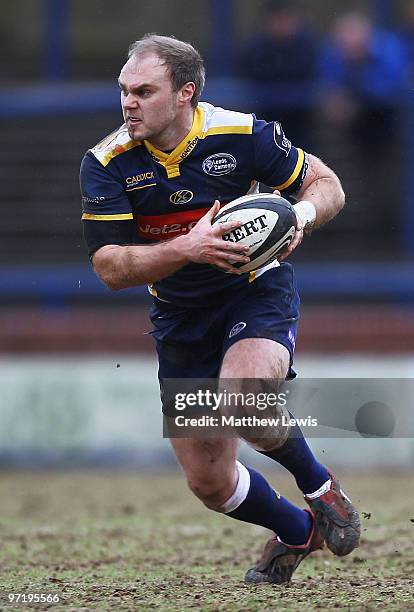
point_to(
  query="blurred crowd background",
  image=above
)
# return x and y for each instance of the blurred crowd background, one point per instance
(340, 78)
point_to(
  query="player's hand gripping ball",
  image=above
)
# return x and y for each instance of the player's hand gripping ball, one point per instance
(268, 227)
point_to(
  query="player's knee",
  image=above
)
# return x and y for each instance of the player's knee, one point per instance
(264, 426)
(272, 433)
(266, 445)
(213, 490)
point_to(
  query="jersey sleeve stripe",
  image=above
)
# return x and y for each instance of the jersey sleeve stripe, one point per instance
(230, 129)
(295, 173)
(122, 217)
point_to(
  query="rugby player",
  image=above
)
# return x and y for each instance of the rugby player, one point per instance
(150, 191)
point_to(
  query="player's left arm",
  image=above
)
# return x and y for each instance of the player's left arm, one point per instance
(315, 187)
(319, 199)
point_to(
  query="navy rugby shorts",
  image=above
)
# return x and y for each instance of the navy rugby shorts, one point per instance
(191, 342)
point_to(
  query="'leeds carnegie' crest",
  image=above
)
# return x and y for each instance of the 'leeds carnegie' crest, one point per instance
(219, 163)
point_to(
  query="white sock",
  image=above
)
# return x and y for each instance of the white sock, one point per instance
(241, 491)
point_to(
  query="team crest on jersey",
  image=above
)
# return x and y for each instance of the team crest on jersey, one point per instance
(181, 197)
(280, 139)
(219, 163)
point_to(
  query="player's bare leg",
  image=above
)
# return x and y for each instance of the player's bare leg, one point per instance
(260, 358)
(225, 485)
(336, 518)
(210, 467)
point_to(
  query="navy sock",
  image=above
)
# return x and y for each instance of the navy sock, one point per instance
(296, 456)
(263, 506)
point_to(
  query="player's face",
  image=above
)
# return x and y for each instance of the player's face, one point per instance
(149, 104)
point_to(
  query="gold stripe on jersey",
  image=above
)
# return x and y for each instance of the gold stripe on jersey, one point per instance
(295, 173)
(141, 187)
(171, 161)
(199, 131)
(229, 129)
(122, 217)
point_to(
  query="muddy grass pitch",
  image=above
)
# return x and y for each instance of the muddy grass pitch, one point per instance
(119, 541)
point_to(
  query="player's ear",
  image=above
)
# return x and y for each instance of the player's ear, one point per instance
(186, 92)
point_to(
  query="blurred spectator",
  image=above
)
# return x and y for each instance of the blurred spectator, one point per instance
(407, 37)
(364, 71)
(283, 54)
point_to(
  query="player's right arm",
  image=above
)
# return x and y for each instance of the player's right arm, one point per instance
(120, 267)
(109, 230)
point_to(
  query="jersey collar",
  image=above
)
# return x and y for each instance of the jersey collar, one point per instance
(182, 150)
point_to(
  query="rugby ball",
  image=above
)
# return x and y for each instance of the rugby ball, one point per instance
(268, 226)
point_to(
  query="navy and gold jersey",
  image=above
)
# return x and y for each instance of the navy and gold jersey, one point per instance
(133, 193)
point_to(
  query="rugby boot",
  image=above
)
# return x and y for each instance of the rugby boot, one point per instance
(337, 519)
(279, 560)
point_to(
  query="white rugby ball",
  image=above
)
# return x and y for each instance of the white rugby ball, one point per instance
(268, 226)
